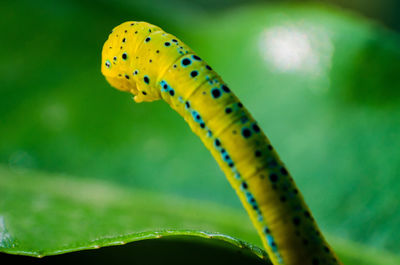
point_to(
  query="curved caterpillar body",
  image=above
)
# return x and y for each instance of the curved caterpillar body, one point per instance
(142, 59)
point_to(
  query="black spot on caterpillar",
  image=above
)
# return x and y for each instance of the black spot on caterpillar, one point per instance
(152, 64)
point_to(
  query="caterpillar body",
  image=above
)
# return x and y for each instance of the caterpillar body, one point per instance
(142, 59)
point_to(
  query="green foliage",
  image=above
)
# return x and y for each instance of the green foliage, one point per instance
(331, 110)
(44, 214)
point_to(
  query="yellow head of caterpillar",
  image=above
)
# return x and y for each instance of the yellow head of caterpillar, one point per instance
(121, 60)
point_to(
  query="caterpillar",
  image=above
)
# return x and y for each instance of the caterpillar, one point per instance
(142, 59)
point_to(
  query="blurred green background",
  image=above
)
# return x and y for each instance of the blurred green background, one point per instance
(321, 79)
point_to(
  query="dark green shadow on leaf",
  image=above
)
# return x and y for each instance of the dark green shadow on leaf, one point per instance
(166, 250)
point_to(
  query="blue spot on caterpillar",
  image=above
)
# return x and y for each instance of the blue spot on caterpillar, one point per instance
(156, 65)
(166, 88)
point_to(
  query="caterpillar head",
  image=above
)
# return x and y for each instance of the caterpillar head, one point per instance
(120, 64)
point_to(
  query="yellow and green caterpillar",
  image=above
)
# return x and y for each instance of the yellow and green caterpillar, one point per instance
(142, 59)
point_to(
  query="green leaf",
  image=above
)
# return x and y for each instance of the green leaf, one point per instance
(167, 250)
(45, 214)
